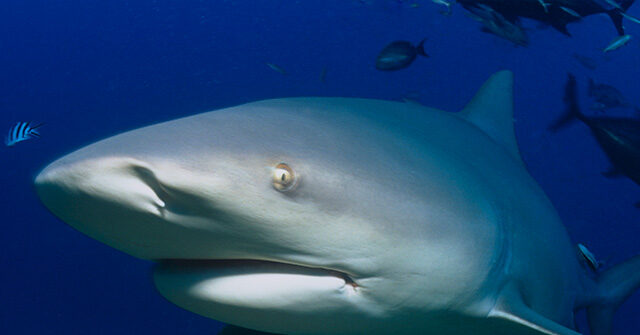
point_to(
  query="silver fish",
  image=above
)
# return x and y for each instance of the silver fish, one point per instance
(617, 43)
(445, 3)
(496, 24)
(277, 68)
(571, 12)
(629, 17)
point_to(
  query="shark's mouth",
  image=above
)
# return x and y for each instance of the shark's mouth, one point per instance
(224, 289)
(257, 266)
(246, 291)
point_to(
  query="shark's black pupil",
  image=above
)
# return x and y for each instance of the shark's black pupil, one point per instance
(283, 178)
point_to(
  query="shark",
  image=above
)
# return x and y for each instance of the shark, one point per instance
(341, 216)
(557, 13)
(617, 136)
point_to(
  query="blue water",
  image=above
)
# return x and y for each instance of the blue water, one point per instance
(91, 69)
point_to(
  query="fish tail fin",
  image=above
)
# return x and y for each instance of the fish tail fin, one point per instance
(33, 131)
(572, 109)
(616, 18)
(420, 48)
(614, 287)
(616, 15)
(37, 126)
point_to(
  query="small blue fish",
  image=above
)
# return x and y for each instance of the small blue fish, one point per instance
(617, 43)
(22, 131)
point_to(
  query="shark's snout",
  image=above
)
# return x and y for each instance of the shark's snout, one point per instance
(117, 200)
(126, 181)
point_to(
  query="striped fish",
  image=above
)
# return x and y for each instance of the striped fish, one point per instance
(22, 131)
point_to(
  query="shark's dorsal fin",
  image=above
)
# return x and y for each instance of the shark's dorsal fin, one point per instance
(491, 110)
(509, 307)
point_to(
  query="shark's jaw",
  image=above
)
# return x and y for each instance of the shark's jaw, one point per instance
(174, 266)
(212, 287)
(262, 277)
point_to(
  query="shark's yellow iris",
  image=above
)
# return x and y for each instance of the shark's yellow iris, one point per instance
(284, 178)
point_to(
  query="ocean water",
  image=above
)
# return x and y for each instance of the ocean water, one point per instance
(91, 69)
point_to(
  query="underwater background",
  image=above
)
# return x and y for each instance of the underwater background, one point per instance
(91, 69)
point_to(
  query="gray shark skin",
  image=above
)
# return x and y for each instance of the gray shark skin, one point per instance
(340, 216)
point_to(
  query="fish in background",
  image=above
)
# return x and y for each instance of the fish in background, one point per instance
(323, 74)
(277, 68)
(496, 24)
(399, 55)
(557, 13)
(618, 137)
(446, 4)
(606, 96)
(586, 61)
(21, 131)
(617, 43)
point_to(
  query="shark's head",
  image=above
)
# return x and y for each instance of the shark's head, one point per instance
(306, 215)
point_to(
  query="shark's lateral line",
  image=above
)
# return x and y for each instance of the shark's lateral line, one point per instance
(340, 216)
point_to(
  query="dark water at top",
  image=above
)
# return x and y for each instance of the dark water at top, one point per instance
(91, 69)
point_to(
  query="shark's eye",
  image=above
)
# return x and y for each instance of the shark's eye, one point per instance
(284, 178)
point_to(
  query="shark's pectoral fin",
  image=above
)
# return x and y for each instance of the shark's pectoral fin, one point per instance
(511, 309)
(535, 323)
(491, 110)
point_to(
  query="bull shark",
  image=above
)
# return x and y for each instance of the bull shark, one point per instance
(340, 216)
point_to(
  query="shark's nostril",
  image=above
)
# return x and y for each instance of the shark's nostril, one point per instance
(147, 176)
(127, 181)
